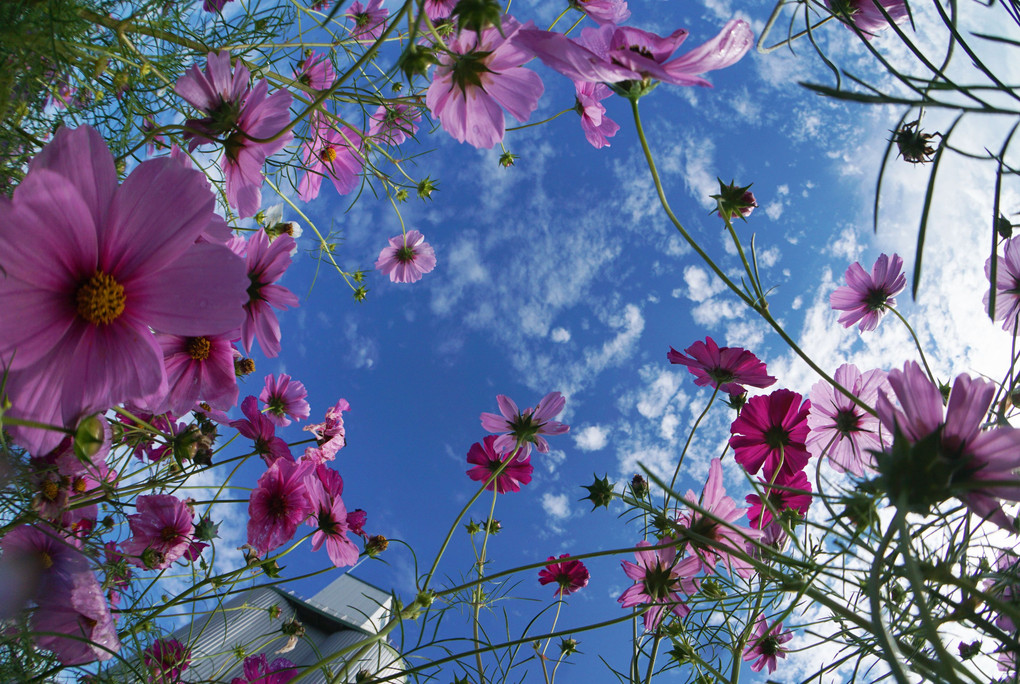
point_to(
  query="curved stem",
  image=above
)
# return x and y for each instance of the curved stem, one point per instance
(917, 343)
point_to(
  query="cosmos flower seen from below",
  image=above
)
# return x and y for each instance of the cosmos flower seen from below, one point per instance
(487, 461)
(568, 575)
(283, 398)
(867, 15)
(161, 531)
(730, 369)
(524, 428)
(1007, 284)
(770, 432)
(267, 261)
(407, 258)
(841, 428)
(866, 297)
(597, 127)
(766, 644)
(658, 580)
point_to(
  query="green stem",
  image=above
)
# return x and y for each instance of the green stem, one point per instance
(917, 343)
(690, 436)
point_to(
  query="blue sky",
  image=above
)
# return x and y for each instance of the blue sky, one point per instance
(562, 273)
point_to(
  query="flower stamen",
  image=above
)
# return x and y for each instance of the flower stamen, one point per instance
(100, 300)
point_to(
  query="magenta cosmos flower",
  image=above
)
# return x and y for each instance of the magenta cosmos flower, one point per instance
(841, 428)
(658, 578)
(597, 127)
(479, 77)
(568, 575)
(604, 11)
(867, 16)
(161, 531)
(262, 431)
(865, 297)
(524, 428)
(330, 435)
(197, 369)
(407, 258)
(487, 461)
(329, 517)
(283, 399)
(717, 537)
(1007, 284)
(267, 260)
(613, 54)
(788, 492)
(236, 116)
(315, 71)
(166, 660)
(278, 504)
(369, 21)
(333, 153)
(730, 369)
(934, 456)
(91, 269)
(258, 670)
(766, 644)
(769, 434)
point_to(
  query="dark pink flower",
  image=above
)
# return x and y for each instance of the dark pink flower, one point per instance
(198, 368)
(329, 516)
(487, 461)
(334, 153)
(262, 431)
(161, 531)
(841, 428)
(267, 260)
(934, 457)
(278, 504)
(1007, 284)
(613, 54)
(717, 526)
(766, 644)
(866, 15)
(597, 127)
(237, 117)
(356, 520)
(315, 71)
(568, 575)
(283, 399)
(730, 369)
(769, 434)
(214, 5)
(91, 269)
(166, 659)
(479, 77)
(658, 577)
(407, 258)
(258, 670)
(788, 492)
(605, 11)
(369, 21)
(865, 297)
(524, 428)
(394, 123)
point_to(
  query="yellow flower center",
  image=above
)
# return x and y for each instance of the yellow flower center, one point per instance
(199, 348)
(327, 154)
(46, 560)
(100, 299)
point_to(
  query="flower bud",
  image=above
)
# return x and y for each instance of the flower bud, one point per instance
(376, 545)
(426, 187)
(206, 529)
(1003, 227)
(475, 15)
(568, 646)
(507, 159)
(415, 61)
(639, 487)
(734, 200)
(89, 438)
(600, 492)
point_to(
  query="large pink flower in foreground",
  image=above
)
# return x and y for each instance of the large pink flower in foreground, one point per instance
(730, 369)
(278, 504)
(1007, 284)
(92, 268)
(487, 460)
(477, 79)
(934, 456)
(841, 428)
(407, 258)
(524, 428)
(658, 579)
(161, 531)
(865, 297)
(769, 434)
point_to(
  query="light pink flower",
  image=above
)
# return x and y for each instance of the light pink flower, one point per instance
(865, 297)
(315, 71)
(524, 428)
(934, 457)
(597, 127)
(329, 516)
(841, 428)
(278, 504)
(92, 268)
(658, 579)
(439, 9)
(568, 575)
(161, 531)
(407, 258)
(730, 369)
(75, 622)
(333, 153)
(605, 11)
(394, 123)
(369, 21)
(769, 434)
(283, 399)
(1007, 284)
(199, 368)
(477, 79)
(866, 15)
(258, 428)
(487, 461)
(788, 492)
(267, 260)
(766, 644)
(330, 435)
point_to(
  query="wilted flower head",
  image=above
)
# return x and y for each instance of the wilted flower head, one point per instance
(524, 428)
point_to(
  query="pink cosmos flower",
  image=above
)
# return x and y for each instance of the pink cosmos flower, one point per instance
(788, 492)
(604, 11)
(92, 268)
(439, 9)
(568, 575)
(258, 670)
(329, 516)
(657, 578)
(597, 127)
(236, 116)
(283, 397)
(356, 520)
(330, 436)
(37, 563)
(769, 434)
(934, 457)
(166, 660)
(407, 258)
(262, 431)
(394, 123)
(841, 428)
(369, 21)
(715, 527)
(730, 369)
(334, 153)
(866, 15)
(214, 5)
(865, 298)
(1007, 284)
(1005, 586)
(479, 77)
(613, 54)
(161, 531)
(118, 574)
(766, 644)
(198, 368)
(487, 461)
(278, 504)
(524, 428)
(315, 71)
(267, 260)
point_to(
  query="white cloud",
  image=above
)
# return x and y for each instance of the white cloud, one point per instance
(591, 438)
(556, 505)
(559, 335)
